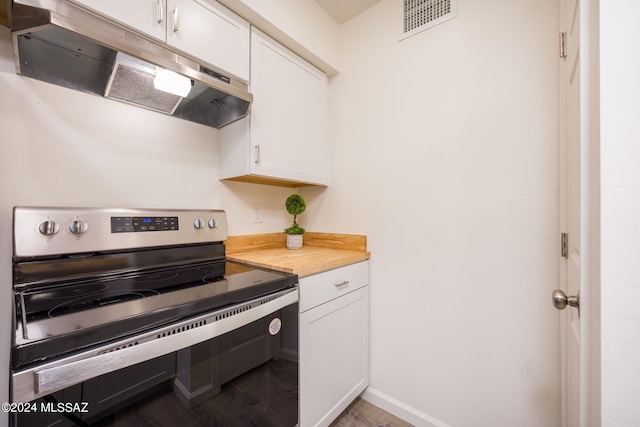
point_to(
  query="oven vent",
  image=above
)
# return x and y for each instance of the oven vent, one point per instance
(121, 347)
(267, 300)
(419, 15)
(233, 312)
(182, 328)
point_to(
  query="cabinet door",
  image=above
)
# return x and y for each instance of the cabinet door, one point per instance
(289, 114)
(210, 32)
(148, 16)
(334, 357)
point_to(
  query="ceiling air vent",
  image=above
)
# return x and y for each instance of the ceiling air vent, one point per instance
(418, 15)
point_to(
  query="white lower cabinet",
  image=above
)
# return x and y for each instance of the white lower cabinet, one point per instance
(334, 342)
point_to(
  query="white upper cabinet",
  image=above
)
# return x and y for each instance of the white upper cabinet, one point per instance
(148, 16)
(284, 139)
(209, 31)
(203, 29)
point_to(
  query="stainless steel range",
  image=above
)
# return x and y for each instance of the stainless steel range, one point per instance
(101, 291)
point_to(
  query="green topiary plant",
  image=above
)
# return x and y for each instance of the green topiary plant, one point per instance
(295, 205)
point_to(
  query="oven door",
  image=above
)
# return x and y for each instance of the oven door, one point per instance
(234, 366)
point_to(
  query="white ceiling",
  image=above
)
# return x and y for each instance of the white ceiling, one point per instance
(343, 10)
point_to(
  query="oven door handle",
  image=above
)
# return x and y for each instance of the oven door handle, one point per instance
(40, 381)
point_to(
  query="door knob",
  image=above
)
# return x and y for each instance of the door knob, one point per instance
(561, 300)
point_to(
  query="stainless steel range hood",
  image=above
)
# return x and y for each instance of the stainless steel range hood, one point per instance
(60, 43)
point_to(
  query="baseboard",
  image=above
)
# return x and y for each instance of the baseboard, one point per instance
(191, 399)
(289, 354)
(399, 409)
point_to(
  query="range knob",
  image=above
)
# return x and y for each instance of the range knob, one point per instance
(49, 227)
(213, 223)
(78, 227)
(198, 224)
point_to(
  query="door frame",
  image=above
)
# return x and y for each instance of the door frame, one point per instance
(592, 24)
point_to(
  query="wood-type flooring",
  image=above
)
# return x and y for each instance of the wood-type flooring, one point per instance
(364, 414)
(266, 396)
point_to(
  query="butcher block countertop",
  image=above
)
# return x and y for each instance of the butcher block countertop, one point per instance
(320, 252)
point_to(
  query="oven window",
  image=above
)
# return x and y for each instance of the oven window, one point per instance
(248, 376)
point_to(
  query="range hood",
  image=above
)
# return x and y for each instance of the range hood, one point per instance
(60, 43)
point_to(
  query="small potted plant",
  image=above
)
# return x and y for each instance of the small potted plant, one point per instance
(295, 205)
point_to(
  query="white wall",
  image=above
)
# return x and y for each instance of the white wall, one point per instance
(620, 192)
(445, 155)
(300, 25)
(59, 147)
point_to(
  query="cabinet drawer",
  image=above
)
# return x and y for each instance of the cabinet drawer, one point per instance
(323, 287)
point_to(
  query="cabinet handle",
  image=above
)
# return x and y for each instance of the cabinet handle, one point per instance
(257, 161)
(175, 19)
(342, 284)
(160, 12)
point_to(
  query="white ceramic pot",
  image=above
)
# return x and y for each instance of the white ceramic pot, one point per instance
(294, 241)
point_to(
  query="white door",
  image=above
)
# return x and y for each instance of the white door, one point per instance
(575, 210)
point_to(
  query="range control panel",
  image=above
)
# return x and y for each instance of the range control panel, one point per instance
(134, 224)
(44, 231)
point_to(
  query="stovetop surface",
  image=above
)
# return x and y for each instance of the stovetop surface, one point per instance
(52, 319)
(55, 300)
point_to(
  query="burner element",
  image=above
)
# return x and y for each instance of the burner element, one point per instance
(99, 300)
